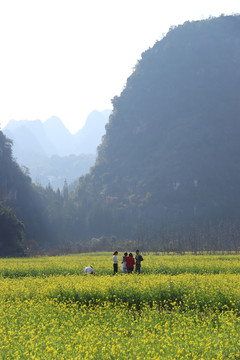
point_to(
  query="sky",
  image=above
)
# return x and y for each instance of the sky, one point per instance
(66, 58)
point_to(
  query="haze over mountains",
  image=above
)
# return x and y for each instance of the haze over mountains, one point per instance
(51, 152)
(167, 173)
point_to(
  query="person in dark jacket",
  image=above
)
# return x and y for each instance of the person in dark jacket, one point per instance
(138, 259)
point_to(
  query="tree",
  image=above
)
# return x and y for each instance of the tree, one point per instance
(11, 233)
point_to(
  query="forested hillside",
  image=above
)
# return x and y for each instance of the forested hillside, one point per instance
(28, 212)
(14, 187)
(170, 156)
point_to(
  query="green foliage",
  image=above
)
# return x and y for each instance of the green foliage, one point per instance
(11, 233)
(21, 204)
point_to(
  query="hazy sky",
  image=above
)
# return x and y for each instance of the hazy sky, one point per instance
(69, 57)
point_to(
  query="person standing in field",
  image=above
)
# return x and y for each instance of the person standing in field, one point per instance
(130, 263)
(138, 259)
(124, 263)
(115, 262)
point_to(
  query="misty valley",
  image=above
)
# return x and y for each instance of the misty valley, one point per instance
(160, 171)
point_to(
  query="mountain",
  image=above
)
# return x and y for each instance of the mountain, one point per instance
(25, 131)
(171, 150)
(53, 138)
(89, 137)
(51, 152)
(59, 136)
(27, 148)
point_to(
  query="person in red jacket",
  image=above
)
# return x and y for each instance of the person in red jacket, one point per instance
(130, 263)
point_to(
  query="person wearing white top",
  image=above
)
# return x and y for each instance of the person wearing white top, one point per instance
(115, 262)
(88, 270)
(124, 263)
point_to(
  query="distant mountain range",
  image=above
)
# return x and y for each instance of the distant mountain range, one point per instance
(46, 147)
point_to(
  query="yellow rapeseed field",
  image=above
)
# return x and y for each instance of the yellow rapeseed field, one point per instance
(180, 307)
